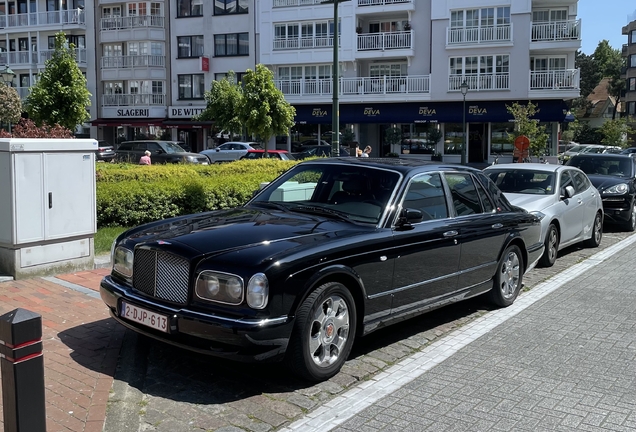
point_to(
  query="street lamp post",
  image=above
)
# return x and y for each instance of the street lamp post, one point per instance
(7, 76)
(335, 114)
(464, 89)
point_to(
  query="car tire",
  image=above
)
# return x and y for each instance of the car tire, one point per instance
(551, 247)
(323, 334)
(597, 231)
(509, 277)
(630, 225)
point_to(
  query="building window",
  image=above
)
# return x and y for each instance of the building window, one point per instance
(226, 7)
(191, 86)
(480, 72)
(238, 76)
(549, 15)
(631, 108)
(486, 17)
(235, 44)
(633, 36)
(631, 84)
(500, 138)
(632, 60)
(189, 8)
(189, 46)
(453, 138)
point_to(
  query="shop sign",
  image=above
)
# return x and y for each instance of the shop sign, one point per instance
(371, 112)
(134, 112)
(181, 112)
(426, 114)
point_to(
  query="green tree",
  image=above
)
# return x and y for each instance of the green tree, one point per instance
(609, 63)
(529, 127)
(263, 110)
(60, 96)
(615, 132)
(585, 134)
(10, 104)
(223, 104)
(590, 74)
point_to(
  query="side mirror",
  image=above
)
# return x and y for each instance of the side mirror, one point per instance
(217, 149)
(568, 192)
(409, 216)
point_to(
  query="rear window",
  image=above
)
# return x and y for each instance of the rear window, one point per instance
(125, 146)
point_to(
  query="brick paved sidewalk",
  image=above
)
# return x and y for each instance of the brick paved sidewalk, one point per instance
(81, 346)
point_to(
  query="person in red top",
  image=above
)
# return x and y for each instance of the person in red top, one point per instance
(145, 159)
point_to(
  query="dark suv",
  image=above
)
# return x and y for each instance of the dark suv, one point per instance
(161, 152)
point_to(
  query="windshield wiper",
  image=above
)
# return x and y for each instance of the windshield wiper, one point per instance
(271, 204)
(321, 210)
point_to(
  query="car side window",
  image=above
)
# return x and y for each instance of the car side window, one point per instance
(485, 200)
(464, 193)
(125, 147)
(140, 146)
(426, 193)
(225, 147)
(153, 147)
(581, 182)
(566, 180)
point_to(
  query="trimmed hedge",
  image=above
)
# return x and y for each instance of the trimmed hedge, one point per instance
(129, 195)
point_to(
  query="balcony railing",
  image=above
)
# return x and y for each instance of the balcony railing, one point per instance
(133, 99)
(34, 19)
(16, 58)
(355, 86)
(381, 2)
(80, 55)
(287, 3)
(385, 41)
(556, 31)
(555, 80)
(119, 23)
(133, 61)
(480, 82)
(303, 43)
(476, 35)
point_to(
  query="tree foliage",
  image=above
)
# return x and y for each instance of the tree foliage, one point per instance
(529, 127)
(26, 128)
(60, 96)
(615, 132)
(10, 104)
(254, 104)
(583, 133)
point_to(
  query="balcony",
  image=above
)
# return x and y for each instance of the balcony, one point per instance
(381, 2)
(133, 61)
(479, 35)
(556, 31)
(359, 88)
(555, 80)
(80, 55)
(19, 58)
(303, 43)
(290, 3)
(131, 22)
(480, 82)
(133, 99)
(43, 19)
(385, 41)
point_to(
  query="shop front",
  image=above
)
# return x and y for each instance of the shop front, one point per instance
(120, 124)
(195, 134)
(488, 124)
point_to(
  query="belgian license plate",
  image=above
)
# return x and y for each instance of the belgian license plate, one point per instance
(144, 317)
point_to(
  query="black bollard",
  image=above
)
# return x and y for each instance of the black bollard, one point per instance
(22, 365)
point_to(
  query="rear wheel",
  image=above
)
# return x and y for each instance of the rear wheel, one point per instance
(509, 277)
(551, 247)
(323, 333)
(597, 231)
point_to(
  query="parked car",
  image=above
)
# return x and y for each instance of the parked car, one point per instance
(272, 154)
(161, 152)
(105, 151)
(570, 208)
(320, 151)
(614, 175)
(331, 250)
(230, 151)
(629, 151)
(304, 145)
(565, 156)
(598, 148)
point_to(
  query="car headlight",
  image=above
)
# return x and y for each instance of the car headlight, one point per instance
(123, 261)
(538, 214)
(219, 287)
(257, 291)
(618, 189)
(192, 159)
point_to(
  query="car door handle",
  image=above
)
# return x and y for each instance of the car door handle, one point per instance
(450, 233)
(497, 226)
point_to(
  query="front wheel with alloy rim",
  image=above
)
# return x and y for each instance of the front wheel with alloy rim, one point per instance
(630, 226)
(551, 247)
(323, 334)
(597, 232)
(509, 277)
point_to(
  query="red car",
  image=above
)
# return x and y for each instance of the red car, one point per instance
(274, 154)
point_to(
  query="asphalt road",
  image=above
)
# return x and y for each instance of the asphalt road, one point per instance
(161, 388)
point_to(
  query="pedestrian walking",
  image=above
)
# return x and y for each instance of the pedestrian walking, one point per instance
(366, 152)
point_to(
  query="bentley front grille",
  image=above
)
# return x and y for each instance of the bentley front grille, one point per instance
(161, 275)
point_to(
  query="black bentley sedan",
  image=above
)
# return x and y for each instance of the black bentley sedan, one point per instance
(614, 175)
(331, 250)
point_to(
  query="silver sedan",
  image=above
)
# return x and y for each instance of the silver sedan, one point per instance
(230, 151)
(569, 206)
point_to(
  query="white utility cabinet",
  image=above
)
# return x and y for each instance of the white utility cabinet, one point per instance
(47, 205)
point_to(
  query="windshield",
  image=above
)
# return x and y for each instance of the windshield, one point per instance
(523, 181)
(355, 193)
(622, 167)
(173, 148)
(576, 149)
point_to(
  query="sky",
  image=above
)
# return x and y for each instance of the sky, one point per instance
(604, 19)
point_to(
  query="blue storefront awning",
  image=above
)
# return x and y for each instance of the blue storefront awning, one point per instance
(428, 112)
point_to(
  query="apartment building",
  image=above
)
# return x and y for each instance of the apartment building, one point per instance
(629, 52)
(27, 39)
(403, 62)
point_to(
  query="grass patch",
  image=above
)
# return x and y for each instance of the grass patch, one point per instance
(104, 238)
